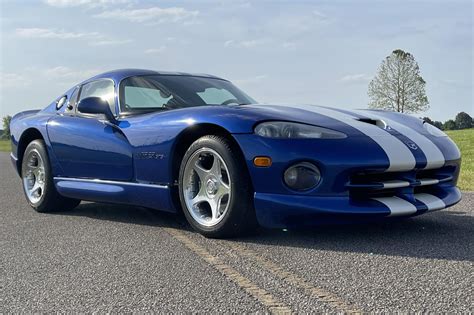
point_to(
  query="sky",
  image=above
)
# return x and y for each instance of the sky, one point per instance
(296, 52)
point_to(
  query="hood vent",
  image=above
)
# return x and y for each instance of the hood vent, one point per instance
(376, 122)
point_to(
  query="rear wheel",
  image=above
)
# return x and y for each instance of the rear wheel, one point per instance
(214, 189)
(38, 183)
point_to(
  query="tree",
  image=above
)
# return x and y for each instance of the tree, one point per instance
(438, 124)
(6, 126)
(463, 121)
(450, 125)
(428, 120)
(398, 85)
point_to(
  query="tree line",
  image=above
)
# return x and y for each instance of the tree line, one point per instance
(6, 128)
(461, 121)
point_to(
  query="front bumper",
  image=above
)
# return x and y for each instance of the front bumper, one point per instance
(355, 184)
(286, 211)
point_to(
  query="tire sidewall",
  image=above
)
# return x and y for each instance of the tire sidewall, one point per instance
(240, 187)
(48, 192)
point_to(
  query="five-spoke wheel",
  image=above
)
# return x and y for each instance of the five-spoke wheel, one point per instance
(38, 181)
(34, 176)
(207, 186)
(215, 189)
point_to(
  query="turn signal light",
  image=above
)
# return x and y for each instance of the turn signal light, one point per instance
(262, 161)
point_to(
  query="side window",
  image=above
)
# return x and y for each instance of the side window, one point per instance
(216, 96)
(142, 97)
(103, 89)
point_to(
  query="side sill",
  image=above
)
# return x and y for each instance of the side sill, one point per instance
(132, 193)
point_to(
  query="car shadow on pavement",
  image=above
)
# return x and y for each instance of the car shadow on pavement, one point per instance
(447, 235)
(125, 214)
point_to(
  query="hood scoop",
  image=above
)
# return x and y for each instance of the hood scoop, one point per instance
(376, 122)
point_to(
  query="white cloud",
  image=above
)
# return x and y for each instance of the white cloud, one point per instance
(153, 14)
(70, 75)
(251, 80)
(52, 33)
(232, 5)
(289, 45)
(319, 15)
(10, 80)
(356, 78)
(55, 76)
(251, 43)
(153, 51)
(86, 3)
(96, 39)
(229, 43)
(245, 43)
(110, 42)
(290, 26)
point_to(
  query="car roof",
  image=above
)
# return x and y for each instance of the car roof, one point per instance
(120, 74)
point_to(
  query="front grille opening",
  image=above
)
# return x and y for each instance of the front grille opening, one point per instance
(365, 178)
(361, 194)
(439, 173)
(365, 185)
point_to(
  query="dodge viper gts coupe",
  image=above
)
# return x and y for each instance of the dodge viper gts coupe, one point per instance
(196, 143)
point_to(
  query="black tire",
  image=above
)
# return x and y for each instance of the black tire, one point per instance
(50, 200)
(240, 217)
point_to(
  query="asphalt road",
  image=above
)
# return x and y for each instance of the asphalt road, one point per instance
(106, 258)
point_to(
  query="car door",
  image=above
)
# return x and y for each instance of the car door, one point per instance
(87, 146)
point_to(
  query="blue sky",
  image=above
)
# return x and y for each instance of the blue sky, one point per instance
(312, 52)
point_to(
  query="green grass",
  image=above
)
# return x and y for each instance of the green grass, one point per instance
(465, 141)
(5, 146)
(463, 138)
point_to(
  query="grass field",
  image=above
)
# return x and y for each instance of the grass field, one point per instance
(463, 138)
(465, 141)
(5, 145)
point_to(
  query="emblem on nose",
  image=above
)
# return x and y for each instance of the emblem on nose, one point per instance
(412, 145)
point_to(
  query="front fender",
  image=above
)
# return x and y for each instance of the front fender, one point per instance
(25, 127)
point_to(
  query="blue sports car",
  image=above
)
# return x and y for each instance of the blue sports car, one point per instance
(196, 143)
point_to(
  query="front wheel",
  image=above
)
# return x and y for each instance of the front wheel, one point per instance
(215, 190)
(38, 184)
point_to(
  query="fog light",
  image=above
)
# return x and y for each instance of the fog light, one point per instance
(302, 176)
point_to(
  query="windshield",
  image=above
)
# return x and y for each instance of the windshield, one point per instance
(158, 92)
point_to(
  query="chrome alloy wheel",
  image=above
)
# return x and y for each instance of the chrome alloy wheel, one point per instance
(206, 187)
(34, 177)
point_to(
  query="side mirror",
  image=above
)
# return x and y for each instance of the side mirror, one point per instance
(96, 105)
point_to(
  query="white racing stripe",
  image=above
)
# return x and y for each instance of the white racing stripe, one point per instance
(397, 206)
(400, 157)
(395, 184)
(428, 181)
(431, 201)
(434, 156)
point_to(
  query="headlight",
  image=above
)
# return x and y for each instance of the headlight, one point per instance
(289, 130)
(432, 130)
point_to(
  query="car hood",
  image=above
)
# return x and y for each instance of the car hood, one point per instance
(351, 122)
(402, 137)
(243, 118)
